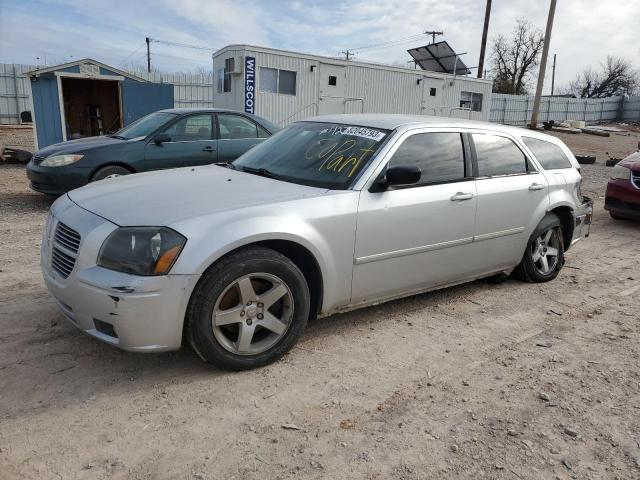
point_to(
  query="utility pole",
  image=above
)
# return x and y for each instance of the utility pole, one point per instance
(553, 73)
(483, 45)
(347, 54)
(433, 34)
(148, 40)
(543, 66)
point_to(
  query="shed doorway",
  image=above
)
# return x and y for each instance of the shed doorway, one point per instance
(91, 107)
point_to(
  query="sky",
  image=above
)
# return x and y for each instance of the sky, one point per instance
(113, 31)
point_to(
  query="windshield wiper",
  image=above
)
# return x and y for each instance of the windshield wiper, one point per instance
(225, 165)
(119, 137)
(262, 172)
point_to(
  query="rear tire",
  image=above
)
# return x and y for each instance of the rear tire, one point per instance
(248, 309)
(108, 171)
(544, 256)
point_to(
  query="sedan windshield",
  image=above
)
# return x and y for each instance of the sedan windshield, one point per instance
(144, 126)
(322, 155)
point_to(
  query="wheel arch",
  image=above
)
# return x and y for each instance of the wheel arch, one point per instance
(112, 164)
(567, 219)
(299, 254)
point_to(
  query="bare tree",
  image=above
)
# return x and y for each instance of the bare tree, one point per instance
(616, 77)
(514, 58)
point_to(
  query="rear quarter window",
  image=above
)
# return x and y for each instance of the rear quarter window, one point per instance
(548, 154)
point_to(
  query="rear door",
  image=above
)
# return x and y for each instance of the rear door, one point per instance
(512, 197)
(191, 143)
(417, 236)
(236, 135)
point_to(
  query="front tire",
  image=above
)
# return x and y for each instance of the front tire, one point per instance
(109, 171)
(248, 309)
(544, 257)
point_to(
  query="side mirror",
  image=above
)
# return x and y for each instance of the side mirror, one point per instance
(402, 175)
(161, 138)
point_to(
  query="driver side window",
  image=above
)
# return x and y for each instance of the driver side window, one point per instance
(190, 129)
(440, 156)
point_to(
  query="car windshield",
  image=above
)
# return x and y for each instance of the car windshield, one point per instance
(144, 126)
(322, 155)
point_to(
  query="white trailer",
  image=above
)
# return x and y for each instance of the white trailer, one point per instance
(285, 86)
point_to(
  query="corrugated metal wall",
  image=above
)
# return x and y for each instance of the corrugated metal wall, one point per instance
(189, 90)
(630, 109)
(517, 109)
(15, 96)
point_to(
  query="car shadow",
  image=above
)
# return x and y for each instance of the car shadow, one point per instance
(55, 362)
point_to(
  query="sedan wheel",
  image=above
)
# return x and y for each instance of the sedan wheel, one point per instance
(252, 314)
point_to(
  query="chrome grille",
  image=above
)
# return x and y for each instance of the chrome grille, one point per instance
(67, 237)
(61, 262)
(37, 160)
(635, 179)
(66, 242)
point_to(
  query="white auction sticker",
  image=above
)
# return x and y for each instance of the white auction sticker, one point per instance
(363, 132)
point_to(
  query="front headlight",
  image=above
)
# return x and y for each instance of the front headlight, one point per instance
(141, 250)
(60, 160)
(620, 173)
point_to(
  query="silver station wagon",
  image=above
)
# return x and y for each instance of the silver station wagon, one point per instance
(330, 214)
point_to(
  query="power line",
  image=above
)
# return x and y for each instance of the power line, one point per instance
(390, 43)
(184, 45)
(132, 53)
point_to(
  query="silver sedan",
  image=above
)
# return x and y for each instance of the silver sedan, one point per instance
(332, 213)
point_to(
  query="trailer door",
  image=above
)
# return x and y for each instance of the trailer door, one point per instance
(333, 81)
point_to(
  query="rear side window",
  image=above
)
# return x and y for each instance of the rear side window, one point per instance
(548, 154)
(233, 127)
(440, 156)
(498, 156)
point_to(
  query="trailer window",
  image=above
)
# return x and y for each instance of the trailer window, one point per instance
(277, 81)
(224, 81)
(471, 100)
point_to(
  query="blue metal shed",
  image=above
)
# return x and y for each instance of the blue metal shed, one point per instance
(88, 98)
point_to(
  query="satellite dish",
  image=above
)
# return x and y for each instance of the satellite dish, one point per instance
(439, 57)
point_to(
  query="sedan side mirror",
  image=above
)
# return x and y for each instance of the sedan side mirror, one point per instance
(402, 175)
(161, 138)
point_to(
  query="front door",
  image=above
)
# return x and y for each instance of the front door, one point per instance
(191, 142)
(333, 81)
(415, 237)
(237, 134)
(512, 197)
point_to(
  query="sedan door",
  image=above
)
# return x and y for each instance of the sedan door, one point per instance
(237, 134)
(512, 198)
(418, 236)
(190, 142)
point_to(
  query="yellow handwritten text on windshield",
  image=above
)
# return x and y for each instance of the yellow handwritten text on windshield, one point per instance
(338, 157)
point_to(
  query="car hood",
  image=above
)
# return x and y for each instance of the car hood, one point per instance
(632, 161)
(164, 197)
(77, 146)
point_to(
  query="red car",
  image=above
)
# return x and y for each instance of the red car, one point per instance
(623, 190)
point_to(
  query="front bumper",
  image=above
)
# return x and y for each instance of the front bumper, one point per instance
(622, 199)
(135, 313)
(584, 215)
(56, 180)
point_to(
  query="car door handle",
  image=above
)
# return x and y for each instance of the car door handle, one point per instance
(536, 186)
(460, 197)
(209, 149)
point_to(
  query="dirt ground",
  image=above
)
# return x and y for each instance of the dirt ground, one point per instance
(504, 381)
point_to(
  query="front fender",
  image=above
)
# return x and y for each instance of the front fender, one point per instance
(329, 237)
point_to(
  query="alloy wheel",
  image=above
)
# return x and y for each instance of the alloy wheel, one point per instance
(545, 250)
(252, 314)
